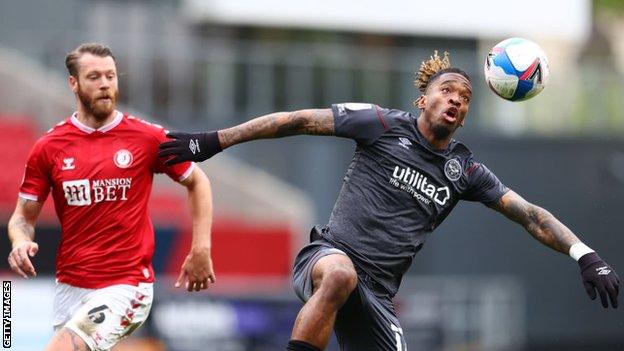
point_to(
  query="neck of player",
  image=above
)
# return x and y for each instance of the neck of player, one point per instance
(426, 130)
(92, 121)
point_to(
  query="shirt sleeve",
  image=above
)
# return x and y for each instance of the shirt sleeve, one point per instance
(364, 123)
(483, 186)
(37, 181)
(177, 172)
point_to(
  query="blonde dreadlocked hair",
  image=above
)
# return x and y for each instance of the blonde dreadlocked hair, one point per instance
(434, 67)
(429, 68)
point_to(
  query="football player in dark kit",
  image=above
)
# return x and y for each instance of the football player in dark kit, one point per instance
(406, 176)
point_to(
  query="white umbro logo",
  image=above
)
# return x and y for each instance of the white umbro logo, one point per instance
(68, 163)
(603, 270)
(194, 146)
(405, 142)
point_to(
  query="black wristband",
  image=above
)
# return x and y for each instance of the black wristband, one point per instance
(211, 140)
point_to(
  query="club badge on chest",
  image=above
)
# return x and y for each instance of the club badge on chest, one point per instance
(123, 158)
(453, 170)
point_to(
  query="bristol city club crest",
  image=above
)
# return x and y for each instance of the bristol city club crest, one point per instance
(453, 170)
(123, 158)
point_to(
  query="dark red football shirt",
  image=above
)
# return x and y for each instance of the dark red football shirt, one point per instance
(101, 182)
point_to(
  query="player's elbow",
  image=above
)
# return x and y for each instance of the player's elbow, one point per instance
(200, 186)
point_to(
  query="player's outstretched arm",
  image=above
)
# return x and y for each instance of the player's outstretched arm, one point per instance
(202, 146)
(21, 232)
(597, 275)
(197, 272)
(541, 224)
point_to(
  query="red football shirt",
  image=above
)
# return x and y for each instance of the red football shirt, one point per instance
(101, 182)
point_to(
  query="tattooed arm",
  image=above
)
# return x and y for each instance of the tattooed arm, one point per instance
(21, 231)
(66, 339)
(598, 277)
(541, 224)
(280, 124)
(202, 146)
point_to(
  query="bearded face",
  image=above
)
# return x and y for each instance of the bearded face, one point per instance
(445, 104)
(96, 85)
(100, 104)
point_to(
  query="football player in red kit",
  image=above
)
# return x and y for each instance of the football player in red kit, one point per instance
(99, 165)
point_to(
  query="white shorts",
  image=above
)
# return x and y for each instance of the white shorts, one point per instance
(102, 317)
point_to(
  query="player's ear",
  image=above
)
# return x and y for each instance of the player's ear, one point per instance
(420, 102)
(73, 83)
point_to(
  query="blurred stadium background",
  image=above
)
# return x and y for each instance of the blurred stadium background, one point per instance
(480, 284)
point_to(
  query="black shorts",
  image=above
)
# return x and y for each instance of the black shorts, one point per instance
(367, 321)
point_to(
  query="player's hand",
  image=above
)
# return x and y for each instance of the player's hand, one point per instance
(19, 258)
(189, 147)
(196, 272)
(599, 276)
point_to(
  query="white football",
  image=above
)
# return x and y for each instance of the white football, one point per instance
(516, 69)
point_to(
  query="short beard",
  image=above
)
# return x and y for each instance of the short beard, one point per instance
(93, 109)
(441, 132)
